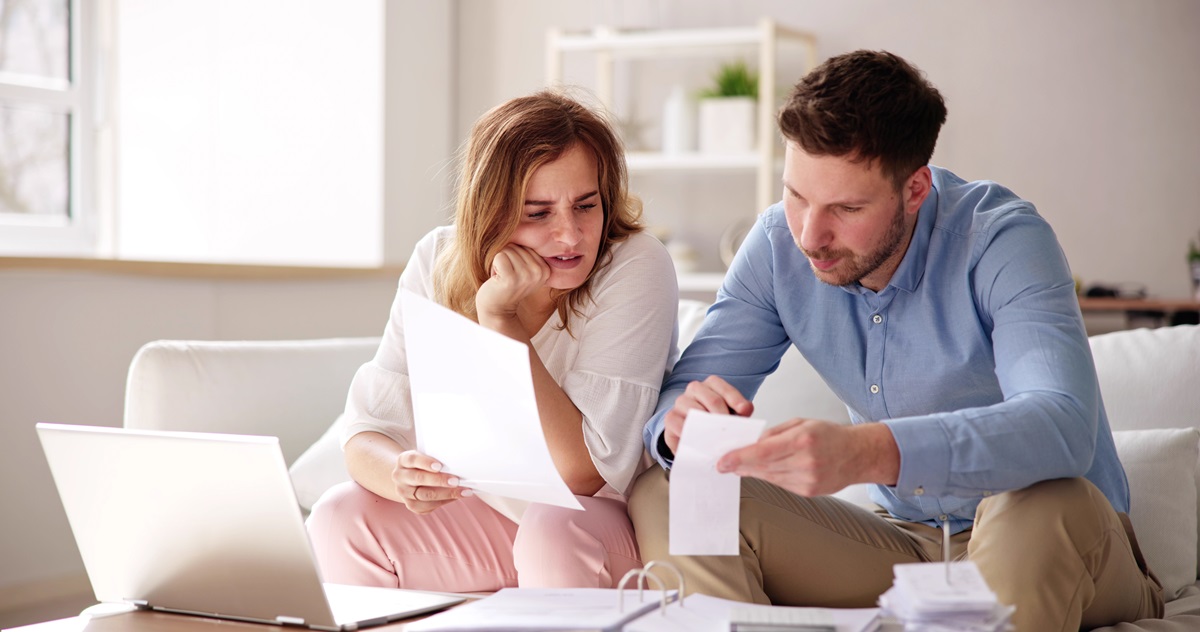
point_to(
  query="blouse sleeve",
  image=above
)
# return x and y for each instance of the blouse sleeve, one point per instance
(629, 336)
(380, 398)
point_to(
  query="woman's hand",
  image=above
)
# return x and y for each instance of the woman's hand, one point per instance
(422, 486)
(517, 273)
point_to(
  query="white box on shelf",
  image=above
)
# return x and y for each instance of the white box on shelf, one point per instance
(727, 125)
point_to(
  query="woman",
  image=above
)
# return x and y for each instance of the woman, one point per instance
(547, 249)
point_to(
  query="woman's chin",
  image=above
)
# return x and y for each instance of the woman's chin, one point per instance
(565, 282)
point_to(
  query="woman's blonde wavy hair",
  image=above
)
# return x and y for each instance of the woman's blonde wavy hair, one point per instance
(506, 145)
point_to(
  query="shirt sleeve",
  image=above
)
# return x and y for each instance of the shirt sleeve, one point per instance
(380, 397)
(625, 343)
(741, 340)
(1046, 425)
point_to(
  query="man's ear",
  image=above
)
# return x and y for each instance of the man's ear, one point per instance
(916, 189)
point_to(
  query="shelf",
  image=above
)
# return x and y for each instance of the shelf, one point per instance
(653, 161)
(683, 41)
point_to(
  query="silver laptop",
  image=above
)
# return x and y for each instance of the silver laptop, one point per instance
(204, 524)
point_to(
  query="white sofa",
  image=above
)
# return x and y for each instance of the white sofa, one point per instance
(1150, 380)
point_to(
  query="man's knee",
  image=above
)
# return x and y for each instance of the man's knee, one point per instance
(649, 496)
(1068, 497)
(649, 501)
(1047, 515)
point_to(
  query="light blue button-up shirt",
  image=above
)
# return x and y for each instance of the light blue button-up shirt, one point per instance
(974, 355)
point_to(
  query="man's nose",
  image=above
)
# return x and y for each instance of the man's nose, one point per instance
(815, 231)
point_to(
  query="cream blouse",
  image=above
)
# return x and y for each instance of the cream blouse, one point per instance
(611, 365)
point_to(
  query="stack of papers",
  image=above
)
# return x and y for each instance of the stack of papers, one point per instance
(948, 597)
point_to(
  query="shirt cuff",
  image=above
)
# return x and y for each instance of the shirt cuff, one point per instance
(663, 455)
(924, 464)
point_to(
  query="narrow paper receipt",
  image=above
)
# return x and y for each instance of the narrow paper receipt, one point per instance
(704, 502)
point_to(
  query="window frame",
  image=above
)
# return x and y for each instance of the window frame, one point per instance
(78, 233)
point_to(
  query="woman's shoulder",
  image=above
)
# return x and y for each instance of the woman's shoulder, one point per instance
(640, 245)
(638, 261)
(434, 242)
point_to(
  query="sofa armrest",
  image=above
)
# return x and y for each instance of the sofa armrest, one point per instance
(292, 389)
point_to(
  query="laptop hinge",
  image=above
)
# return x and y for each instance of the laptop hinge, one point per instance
(285, 620)
(140, 604)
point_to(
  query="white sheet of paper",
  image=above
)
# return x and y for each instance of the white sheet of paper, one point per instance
(703, 512)
(526, 609)
(474, 406)
(701, 613)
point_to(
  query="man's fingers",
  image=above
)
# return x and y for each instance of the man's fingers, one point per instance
(732, 398)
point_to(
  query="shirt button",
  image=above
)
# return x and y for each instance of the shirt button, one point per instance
(920, 491)
(874, 388)
(943, 517)
(877, 319)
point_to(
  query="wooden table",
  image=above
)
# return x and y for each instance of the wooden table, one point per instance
(1167, 306)
(1160, 311)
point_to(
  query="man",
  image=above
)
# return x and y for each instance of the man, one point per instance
(943, 314)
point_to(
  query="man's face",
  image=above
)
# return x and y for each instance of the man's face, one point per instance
(846, 217)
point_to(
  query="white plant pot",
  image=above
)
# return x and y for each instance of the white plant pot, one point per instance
(727, 125)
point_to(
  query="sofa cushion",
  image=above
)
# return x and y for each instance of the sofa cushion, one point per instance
(1161, 466)
(1148, 378)
(320, 467)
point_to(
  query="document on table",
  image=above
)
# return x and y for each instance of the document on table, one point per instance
(474, 406)
(546, 609)
(703, 508)
(701, 613)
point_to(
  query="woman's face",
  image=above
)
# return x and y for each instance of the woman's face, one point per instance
(562, 218)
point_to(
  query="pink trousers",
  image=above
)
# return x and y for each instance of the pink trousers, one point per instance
(466, 546)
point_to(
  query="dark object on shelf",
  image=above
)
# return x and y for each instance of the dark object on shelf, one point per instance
(1123, 290)
(1185, 317)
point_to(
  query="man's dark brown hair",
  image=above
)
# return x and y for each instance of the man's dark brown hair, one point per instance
(866, 105)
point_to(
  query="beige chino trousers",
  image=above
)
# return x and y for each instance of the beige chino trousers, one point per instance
(1056, 550)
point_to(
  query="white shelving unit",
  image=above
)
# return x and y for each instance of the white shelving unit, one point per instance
(608, 45)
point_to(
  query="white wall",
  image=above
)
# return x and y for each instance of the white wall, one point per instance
(1085, 107)
(66, 337)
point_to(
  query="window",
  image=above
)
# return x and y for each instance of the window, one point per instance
(230, 131)
(250, 131)
(45, 128)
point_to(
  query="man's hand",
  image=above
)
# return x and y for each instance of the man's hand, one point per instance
(713, 395)
(816, 458)
(422, 486)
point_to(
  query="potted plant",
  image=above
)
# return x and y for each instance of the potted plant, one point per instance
(727, 110)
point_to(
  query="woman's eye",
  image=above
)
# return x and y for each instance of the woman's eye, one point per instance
(537, 214)
(586, 207)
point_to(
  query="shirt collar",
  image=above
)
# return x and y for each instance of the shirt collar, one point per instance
(912, 267)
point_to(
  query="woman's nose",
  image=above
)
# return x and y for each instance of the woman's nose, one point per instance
(566, 229)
